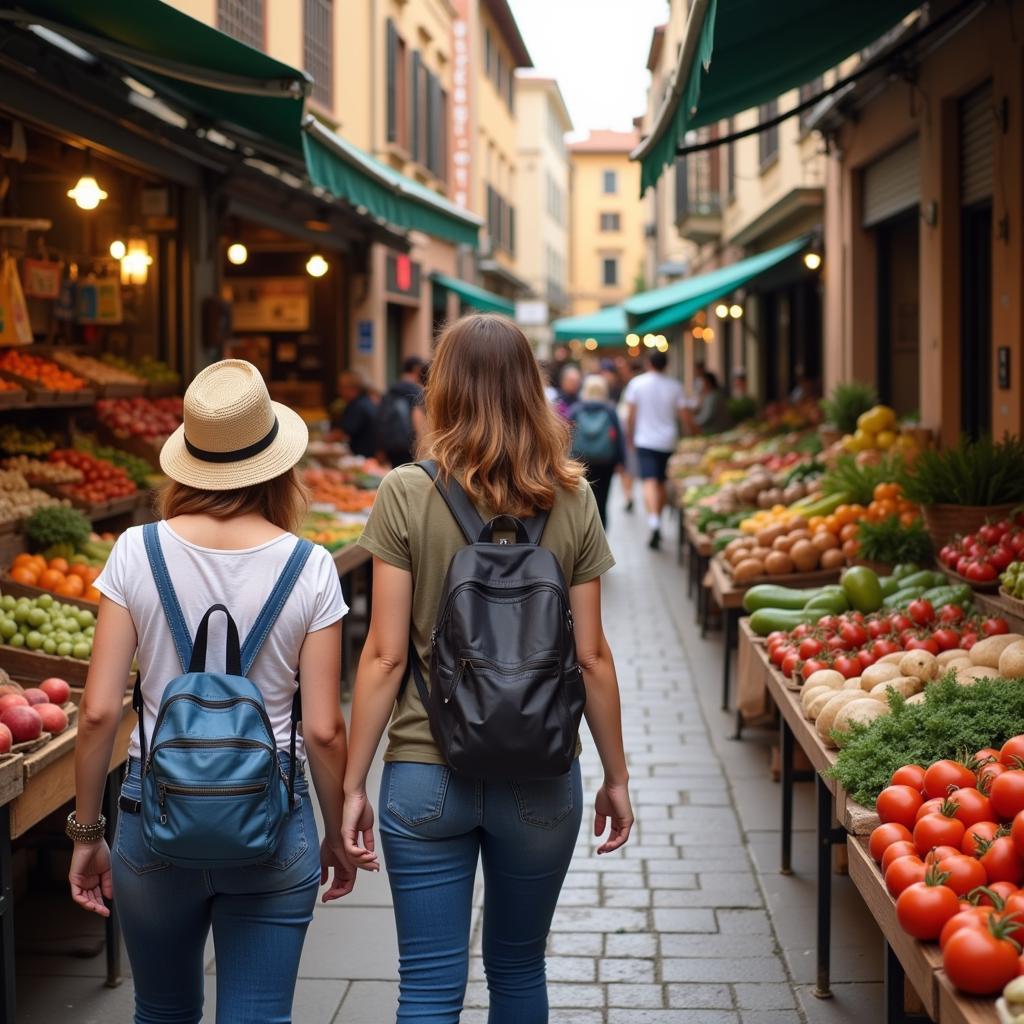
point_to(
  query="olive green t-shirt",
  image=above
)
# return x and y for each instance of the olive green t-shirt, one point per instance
(411, 527)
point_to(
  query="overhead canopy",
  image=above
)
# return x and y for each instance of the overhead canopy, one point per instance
(478, 298)
(208, 71)
(607, 326)
(737, 54)
(662, 308)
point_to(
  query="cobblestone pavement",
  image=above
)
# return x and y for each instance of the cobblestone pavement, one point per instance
(690, 924)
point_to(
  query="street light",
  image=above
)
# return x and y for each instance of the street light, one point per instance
(662, 344)
(633, 340)
(649, 340)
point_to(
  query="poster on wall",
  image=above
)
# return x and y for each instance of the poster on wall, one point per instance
(270, 304)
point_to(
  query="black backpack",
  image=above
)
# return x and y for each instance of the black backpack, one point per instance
(506, 692)
(392, 423)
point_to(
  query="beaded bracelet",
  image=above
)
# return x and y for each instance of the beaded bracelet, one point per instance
(85, 833)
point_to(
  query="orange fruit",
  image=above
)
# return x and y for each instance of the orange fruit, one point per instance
(92, 574)
(51, 579)
(79, 569)
(38, 564)
(92, 594)
(848, 532)
(60, 564)
(73, 586)
(24, 575)
(815, 523)
(24, 559)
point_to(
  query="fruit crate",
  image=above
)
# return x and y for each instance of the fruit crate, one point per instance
(45, 396)
(12, 777)
(34, 666)
(163, 389)
(102, 388)
(12, 399)
(148, 450)
(9, 586)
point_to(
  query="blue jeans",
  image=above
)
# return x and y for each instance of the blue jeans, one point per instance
(259, 917)
(434, 827)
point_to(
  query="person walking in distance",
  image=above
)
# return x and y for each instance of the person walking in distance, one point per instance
(398, 423)
(655, 405)
(630, 467)
(569, 382)
(597, 438)
(356, 421)
(514, 631)
(195, 850)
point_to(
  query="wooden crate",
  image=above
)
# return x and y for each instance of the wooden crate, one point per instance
(12, 399)
(12, 778)
(8, 586)
(34, 666)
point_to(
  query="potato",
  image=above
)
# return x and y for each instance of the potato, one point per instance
(945, 657)
(805, 556)
(878, 673)
(958, 663)
(1011, 661)
(825, 541)
(809, 694)
(766, 537)
(818, 704)
(851, 684)
(827, 716)
(748, 569)
(987, 651)
(922, 664)
(783, 543)
(891, 659)
(863, 712)
(832, 559)
(976, 672)
(778, 563)
(905, 685)
(826, 677)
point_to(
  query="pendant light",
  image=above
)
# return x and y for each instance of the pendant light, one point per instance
(87, 193)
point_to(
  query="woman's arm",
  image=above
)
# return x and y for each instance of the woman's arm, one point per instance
(381, 669)
(98, 717)
(323, 732)
(604, 714)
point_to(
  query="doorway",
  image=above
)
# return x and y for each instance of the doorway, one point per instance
(976, 321)
(393, 341)
(899, 346)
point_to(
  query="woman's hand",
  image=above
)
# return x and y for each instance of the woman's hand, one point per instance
(612, 802)
(332, 856)
(357, 819)
(90, 877)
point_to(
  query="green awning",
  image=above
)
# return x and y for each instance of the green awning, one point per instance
(737, 54)
(674, 304)
(351, 174)
(478, 298)
(606, 326)
(207, 71)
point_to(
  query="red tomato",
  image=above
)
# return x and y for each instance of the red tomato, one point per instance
(995, 626)
(880, 648)
(809, 647)
(789, 663)
(983, 830)
(930, 806)
(973, 917)
(866, 659)
(884, 836)
(1002, 891)
(902, 873)
(981, 570)
(968, 640)
(1017, 832)
(1013, 903)
(972, 806)
(947, 639)
(965, 873)
(951, 614)
(1001, 861)
(780, 652)
(900, 804)
(909, 775)
(981, 962)
(946, 775)
(987, 774)
(922, 643)
(923, 909)
(854, 634)
(937, 853)
(921, 612)
(987, 754)
(878, 628)
(811, 666)
(937, 829)
(901, 848)
(1012, 752)
(900, 622)
(849, 667)
(1007, 794)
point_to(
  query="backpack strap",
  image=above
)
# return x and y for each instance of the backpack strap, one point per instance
(168, 598)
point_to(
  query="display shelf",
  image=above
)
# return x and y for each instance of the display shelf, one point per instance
(9, 586)
(34, 666)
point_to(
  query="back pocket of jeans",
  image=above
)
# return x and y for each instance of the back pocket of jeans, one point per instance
(131, 847)
(544, 803)
(416, 792)
(292, 842)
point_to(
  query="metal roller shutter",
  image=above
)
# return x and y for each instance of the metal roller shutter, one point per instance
(892, 184)
(977, 132)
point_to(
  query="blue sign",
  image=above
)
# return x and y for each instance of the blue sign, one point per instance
(364, 336)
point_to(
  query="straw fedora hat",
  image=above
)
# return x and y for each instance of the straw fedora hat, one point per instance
(233, 435)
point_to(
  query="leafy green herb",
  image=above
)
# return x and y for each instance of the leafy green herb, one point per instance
(952, 719)
(890, 542)
(982, 472)
(846, 403)
(57, 525)
(858, 483)
(810, 444)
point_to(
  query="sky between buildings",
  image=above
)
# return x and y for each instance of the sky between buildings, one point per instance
(597, 49)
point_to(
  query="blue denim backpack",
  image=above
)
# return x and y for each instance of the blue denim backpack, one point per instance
(214, 793)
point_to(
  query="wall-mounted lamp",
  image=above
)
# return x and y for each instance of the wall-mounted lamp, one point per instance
(237, 254)
(87, 193)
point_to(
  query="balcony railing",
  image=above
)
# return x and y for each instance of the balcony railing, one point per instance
(698, 196)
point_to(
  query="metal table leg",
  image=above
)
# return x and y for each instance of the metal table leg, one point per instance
(895, 993)
(112, 926)
(828, 836)
(7, 1010)
(730, 626)
(680, 535)
(786, 780)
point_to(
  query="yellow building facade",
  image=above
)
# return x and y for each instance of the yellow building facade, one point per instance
(607, 217)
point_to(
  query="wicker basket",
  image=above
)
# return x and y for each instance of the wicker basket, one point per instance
(1015, 604)
(945, 521)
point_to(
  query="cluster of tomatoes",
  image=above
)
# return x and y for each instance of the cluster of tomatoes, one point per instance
(101, 480)
(851, 642)
(980, 557)
(951, 848)
(149, 418)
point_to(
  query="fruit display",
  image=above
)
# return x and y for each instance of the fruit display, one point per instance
(51, 527)
(324, 528)
(24, 440)
(148, 369)
(18, 499)
(35, 471)
(1012, 581)
(136, 467)
(57, 574)
(46, 624)
(8, 385)
(101, 480)
(783, 549)
(151, 419)
(95, 370)
(44, 373)
(878, 430)
(334, 487)
(980, 557)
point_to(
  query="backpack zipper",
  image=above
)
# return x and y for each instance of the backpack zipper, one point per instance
(163, 788)
(205, 702)
(507, 670)
(446, 611)
(227, 741)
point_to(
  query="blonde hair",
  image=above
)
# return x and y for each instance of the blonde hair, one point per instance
(489, 422)
(595, 388)
(282, 501)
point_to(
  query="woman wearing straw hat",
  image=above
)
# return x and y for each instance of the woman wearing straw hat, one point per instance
(490, 428)
(226, 516)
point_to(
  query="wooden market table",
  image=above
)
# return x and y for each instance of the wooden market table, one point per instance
(699, 548)
(349, 560)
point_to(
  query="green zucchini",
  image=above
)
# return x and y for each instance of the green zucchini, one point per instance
(828, 604)
(767, 620)
(905, 569)
(889, 584)
(902, 597)
(925, 578)
(771, 595)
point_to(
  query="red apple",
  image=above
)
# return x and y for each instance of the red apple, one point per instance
(6, 740)
(56, 689)
(34, 695)
(24, 723)
(11, 700)
(53, 718)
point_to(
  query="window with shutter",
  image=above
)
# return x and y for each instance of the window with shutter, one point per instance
(415, 108)
(318, 48)
(768, 139)
(392, 81)
(242, 19)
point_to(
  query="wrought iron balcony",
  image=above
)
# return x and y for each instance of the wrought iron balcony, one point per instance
(699, 197)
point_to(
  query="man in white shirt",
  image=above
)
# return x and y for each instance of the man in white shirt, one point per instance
(654, 406)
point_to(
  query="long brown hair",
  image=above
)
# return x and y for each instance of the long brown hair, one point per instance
(489, 422)
(282, 501)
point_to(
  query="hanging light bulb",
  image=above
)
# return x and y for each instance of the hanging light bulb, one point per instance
(721, 311)
(136, 262)
(237, 254)
(735, 311)
(632, 340)
(87, 193)
(118, 249)
(662, 344)
(590, 344)
(812, 260)
(316, 265)
(649, 341)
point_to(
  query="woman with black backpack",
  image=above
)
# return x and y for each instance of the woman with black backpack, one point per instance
(484, 644)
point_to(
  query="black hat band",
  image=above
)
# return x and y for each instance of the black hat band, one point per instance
(239, 454)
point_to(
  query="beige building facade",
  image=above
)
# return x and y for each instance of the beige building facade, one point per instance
(607, 217)
(542, 195)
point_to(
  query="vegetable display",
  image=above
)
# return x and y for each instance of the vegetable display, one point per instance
(980, 557)
(45, 624)
(983, 472)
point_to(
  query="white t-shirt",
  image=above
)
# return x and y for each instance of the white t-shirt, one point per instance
(242, 580)
(657, 400)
